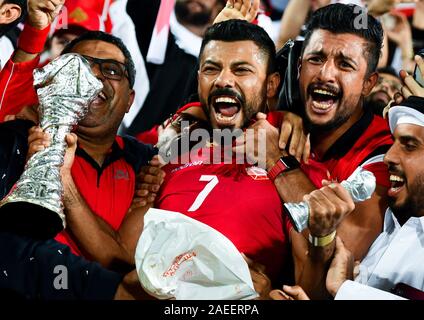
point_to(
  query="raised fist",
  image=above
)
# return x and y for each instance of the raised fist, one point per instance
(41, 13)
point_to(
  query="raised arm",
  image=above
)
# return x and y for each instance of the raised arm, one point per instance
(294, 17)
(239, 9)
(16, 77)
(41, 14)
(410, 86)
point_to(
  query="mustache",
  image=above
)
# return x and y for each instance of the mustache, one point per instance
(226, 92)
(323, 86)
(394, 170)
(200, 3)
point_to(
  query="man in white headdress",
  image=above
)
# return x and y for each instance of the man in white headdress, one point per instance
(395, 258)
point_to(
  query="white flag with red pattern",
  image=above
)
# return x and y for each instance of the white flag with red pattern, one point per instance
(159, 41)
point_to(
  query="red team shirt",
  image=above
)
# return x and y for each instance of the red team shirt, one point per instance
(244, 205)
(238, 201)
(107, 190)
(365, 143)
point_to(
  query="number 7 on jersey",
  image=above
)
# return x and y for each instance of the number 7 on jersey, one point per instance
(212, 182)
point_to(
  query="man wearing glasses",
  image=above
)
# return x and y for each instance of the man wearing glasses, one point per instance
(111, 69)
(99, 187)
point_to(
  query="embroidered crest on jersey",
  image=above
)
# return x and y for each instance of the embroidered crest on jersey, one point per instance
(121, 175)
(257, 173)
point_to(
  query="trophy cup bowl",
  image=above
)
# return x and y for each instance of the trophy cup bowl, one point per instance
(34, 207)
(360, 185)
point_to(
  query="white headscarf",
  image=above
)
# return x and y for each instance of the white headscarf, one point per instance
(411, 111)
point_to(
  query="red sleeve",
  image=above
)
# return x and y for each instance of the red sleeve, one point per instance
(187, 106)
(32, 40)
(16, 79)
(16, 87)
(150, 137)
(381, 173)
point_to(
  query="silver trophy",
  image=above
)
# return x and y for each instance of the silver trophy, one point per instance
(34, 206)
(360, 185)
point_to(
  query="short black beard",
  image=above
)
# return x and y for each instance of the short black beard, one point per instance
(196, 19)
(338, 120)
(414, 203)
(331, 125)
(248, 109)
(403, 212)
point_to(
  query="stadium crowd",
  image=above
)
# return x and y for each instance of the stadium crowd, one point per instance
(325, 87)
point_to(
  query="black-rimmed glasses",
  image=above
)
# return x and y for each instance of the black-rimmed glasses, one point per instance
(110, 69)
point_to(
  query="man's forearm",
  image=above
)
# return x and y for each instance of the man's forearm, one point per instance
(311, 265)
(418, 18)
(293, 185)
(312, 277)
(292, 20)
(31, 43)
(311, 262)
(97, 240)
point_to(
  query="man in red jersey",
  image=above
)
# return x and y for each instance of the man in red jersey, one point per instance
(333, 79)
(229, 197)
(336, 71)
(233, 87)
(101, 184)
(236, 77)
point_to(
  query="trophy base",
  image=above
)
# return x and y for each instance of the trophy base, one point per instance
(30, 220)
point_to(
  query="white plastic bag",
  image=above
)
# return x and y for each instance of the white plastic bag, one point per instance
(182, 258)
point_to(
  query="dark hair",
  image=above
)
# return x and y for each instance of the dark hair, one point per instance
(23, 5)
(388, 70)
(106, 37)
(341, 18)
(240, 30)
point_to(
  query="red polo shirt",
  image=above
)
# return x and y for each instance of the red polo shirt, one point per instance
(108, 189)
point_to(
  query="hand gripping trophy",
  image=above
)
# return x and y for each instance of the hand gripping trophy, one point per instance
(34, 206)
(360, 185)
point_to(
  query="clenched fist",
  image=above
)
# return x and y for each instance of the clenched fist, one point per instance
(41, 13)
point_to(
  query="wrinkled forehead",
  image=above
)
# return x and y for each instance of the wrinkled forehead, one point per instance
(410, 131)
(229, 52)
(99, 49)
(335, 44)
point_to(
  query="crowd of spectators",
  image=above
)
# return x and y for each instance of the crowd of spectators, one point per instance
(356, 101)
